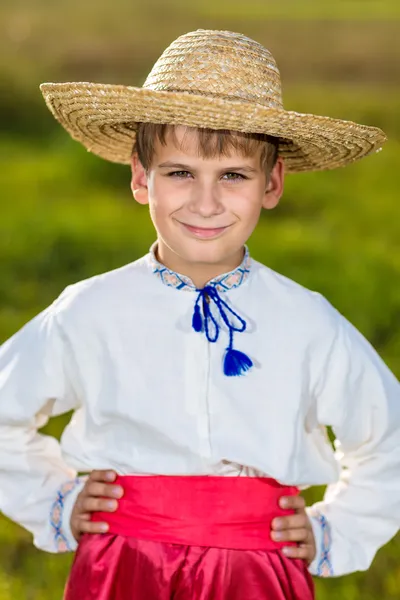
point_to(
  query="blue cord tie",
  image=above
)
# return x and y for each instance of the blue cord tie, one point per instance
(235, 362)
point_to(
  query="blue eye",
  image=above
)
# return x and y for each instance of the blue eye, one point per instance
(230, 176)
(179, 174)
(235, 176)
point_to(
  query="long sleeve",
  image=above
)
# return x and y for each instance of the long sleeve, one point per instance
(36, 371)
(359, 397)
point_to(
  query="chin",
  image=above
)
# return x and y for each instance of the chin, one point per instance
(208, 252)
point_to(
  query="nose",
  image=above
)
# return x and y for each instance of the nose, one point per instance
(205, 200)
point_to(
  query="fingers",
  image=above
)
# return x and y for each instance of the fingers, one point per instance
(98, 494)
(103, 475)
(105, 490)
(295, 528)
(292, 535)
(305, 552)
(292, 502)
(83, 525)
(89, 504)
(291, 522)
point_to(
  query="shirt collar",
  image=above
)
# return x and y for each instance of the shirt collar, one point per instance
(222, 283)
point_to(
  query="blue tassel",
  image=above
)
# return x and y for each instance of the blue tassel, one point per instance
(236, 362)
(197, 321)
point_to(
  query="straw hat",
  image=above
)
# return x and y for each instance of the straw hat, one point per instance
(213, 79)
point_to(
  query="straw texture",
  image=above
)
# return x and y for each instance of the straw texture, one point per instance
(213, 79)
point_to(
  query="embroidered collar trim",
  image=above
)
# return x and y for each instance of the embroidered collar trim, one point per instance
(222, 283)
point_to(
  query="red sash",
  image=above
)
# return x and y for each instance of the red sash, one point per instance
(219, 512)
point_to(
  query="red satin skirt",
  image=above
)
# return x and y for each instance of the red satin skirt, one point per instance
(190, 538)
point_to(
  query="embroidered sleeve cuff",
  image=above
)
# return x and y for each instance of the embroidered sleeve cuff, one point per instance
(60, 515)
(322, 563)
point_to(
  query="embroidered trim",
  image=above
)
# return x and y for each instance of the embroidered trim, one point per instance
(222, 283)
(325, 568)
(56, 515)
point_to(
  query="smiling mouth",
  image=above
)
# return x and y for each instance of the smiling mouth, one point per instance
(204, 232)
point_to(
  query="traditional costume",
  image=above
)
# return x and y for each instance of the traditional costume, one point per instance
(209, 403)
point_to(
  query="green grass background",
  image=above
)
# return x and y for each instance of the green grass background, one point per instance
(67, 215)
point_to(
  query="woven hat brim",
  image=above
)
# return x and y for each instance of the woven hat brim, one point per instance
(103, 118)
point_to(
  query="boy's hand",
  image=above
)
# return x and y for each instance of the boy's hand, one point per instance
(295, 528)
(98, 495)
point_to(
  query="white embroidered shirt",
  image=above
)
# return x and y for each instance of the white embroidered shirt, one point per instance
(150, 396)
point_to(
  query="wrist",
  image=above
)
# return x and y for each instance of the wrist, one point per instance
(322, 563)
(60, 516)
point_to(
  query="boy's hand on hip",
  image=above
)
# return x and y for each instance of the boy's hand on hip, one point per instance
(295, 528)
(99, 494)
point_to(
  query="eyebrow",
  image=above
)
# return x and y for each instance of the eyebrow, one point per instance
(168, 164)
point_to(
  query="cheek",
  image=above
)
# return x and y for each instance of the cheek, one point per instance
(247, 204)
(251, 217)
(163, 202)
(158, 212)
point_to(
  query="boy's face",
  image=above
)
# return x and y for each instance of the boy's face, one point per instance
(204, 209)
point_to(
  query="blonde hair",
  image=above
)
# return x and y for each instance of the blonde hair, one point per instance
(211, 143)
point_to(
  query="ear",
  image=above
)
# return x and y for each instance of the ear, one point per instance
(139, 181)
(274, 188)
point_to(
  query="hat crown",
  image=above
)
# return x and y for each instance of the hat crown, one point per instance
(219, 64)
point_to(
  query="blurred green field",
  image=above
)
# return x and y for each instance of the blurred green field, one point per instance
(347, 40)
(67, 215)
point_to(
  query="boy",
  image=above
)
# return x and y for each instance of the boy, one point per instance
(201, 377)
